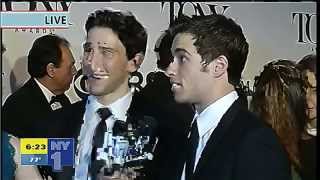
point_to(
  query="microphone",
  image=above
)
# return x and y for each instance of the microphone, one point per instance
(120, 128)
(147, 130)
(128, 144)
(148, 126)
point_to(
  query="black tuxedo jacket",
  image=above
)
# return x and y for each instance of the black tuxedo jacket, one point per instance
(170, 137)
(174, 121)
(242, 147)
(26, 113)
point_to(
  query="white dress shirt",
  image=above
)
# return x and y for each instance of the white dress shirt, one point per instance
(208, 120)
(46, 92)
(311, 130)
(91, 120)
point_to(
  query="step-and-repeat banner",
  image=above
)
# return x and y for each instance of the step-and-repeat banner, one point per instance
(274, 31)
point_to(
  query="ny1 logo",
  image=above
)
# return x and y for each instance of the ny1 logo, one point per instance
(60, 153)
(306, 22)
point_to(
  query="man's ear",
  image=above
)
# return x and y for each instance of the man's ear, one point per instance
(51, 70)
(219, 66)
(135, 63)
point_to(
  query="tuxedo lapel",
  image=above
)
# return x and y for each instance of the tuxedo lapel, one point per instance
(38, 95)
(217, 135)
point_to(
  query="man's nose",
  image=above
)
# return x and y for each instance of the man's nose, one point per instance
(94, 60)
(171, 69)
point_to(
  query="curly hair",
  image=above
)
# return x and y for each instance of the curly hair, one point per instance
(131, 33)
(308, 62)
(279, 99)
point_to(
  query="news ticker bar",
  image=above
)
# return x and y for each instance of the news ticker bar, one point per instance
(10, 19)
(54, 152)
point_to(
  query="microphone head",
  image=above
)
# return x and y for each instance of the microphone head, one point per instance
(147, 126)
(120, 128)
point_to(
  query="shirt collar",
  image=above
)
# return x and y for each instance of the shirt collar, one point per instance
(47, 93)
(210, 117)
(118, 108)
(311, 131)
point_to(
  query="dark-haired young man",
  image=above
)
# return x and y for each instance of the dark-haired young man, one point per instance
(172, 130)
(226, 142)
(26, 112)
(114, 49)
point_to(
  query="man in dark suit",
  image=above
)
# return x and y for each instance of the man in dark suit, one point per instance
(226, 141)
(28, 112)
(173, 129)
(114, 49)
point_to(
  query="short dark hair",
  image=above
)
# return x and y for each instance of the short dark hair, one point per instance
(163, 49)
(308, 62)
(46, 49)
(217, 35)
(164, 42)
(131, 33)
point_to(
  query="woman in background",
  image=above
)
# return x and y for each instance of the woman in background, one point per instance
(309, 135)
(279, 99)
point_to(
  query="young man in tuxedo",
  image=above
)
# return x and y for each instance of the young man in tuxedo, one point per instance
(27, 111)
(226, 142)
(172, 131)
(114, 49)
